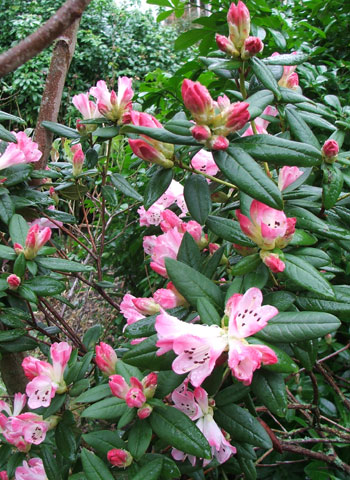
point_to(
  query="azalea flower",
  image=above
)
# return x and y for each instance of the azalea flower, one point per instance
(198, 347)
(31, 470)
(115, 107)
(197, 406)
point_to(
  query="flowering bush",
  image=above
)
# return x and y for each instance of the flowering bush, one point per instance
(248, 250)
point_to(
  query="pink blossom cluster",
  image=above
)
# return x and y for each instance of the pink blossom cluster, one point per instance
(167, 244)
(214, 120)
(135, 308)
(239, 43)
(24, 151)
(147, 148)
(199, 408)
(35, 240)
(137, 393)
(46, 379)
(270, 229)
(22, 429)
(199, 347)
(173, 194)
(31, 470)
(111, 105)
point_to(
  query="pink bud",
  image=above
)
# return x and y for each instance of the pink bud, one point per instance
(288, 175)
(330, 150)
(135, 397)
(150, 384)
(43, 237)
(201, 133)
(238, 115)
(118, 386)
(147, 152)
(217, 142)
(226, 45)
(31, 236)
(238, 19)
(60, 353)
(80, 126)
(30, 367)
(272, 261)
(114, 98)
(106, 358)
(198, 100)
(13, 282)
(293, 81)
(78, 160)
(3, 475)
(252, 46)
(119, 457)
(147, 306)
(144, 411)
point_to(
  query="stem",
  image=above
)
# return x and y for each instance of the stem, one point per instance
(242, 81)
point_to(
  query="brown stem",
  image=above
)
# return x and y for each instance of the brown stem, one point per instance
(333, 384)
(43, 37)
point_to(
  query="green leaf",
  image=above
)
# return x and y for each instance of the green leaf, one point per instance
(21, 344)
(306, 353)
(298, 326)
(270, 389)
(151, 471)
(318, 258)
(316, 302)
(192, 284)
(158, 184)
(176, 429)
(19, 266)
(287, 59)
(189, 38)
(60, 216)
(279, 38)
(91, 336)
(189, 252)
(258, 102)
(168, 380)
(229, 230)
(109, 195)
(299, 128)
(246, 265)
(60, 130)
(104, 440)
(139, 438)
(18, 228)
(45, 286)
(248, 468)
(302, 238)
(169, 469)
(160, 134)
(79, 387)
(144, 355)
(107, 409)
(7, 208)
(279, 151)
(306, 276)
(332, 185)
(197, 197)
(127, 417)
(7, 253)
(123, 185)
(62, 265)
(242, 426)
(94, 394)
(233, 393)
(240, 168)
(127, 371)
(142, 328)
(50, 463)
(263, 73)
(10, 118)
(91, 158)
(10, 335)
(207, 312)
(65, 441)
(106, 132)
(179, 126)
(94, 468)
(7, 136)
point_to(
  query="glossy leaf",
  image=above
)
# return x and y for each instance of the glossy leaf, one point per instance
(229, 230)
(264, 74)
(123, 185)
(62, 265)
(189, 252)
(270, 389)
(94, 467)
(107, 409)
(60, 130)
(139, 438)
(158, 184)
(197, 197)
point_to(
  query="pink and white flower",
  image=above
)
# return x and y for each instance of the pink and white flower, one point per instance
(197, 406)
(115, 107)
(31, 470)
(267, 227)
(288, 175)
(260, 123)
(272, 260)
(204, 162)
(46, 378)
(44, 222)
(164, 246)
(24, 430)
(252, 46)
(290, 78)
(24, 151)
(36, 239)
(198, 347)
(169, 297)
(129, 309)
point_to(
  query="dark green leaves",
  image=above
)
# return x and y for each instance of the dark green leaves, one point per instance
(192, 284)
(299, 128)
(266, 77)
(175, 428)
(60, 130)
(107, 409)
(197, 197)
(270, 389)
(62, 265)
(94, 468)
(189, 252)
(240, 168)
(229, 230)
(123, 185)
(18, 229)
(160, 134)
(158, 184)
(298, 326)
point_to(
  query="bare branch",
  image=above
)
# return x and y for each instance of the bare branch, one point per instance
(43, 37)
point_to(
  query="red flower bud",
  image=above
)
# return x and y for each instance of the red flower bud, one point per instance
(330, 150)
(119, 457)
(252, 46)
(13, 281)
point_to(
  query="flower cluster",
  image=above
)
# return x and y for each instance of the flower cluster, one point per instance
(214, 120)
(31, 470)
(270, 229)
(137, 393)
(46, 379)
(198, 347)
(24, 151)
(239, 43)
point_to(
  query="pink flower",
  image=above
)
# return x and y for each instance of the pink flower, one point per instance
(252, 46)
(106, 358)
(11, 156)
(204, 162)
(36, 239)
(272, 261)
(129, 310)
(46, 379)
(218, 142)
(28, 147)
(330, 150)
(238, 19)
(19, 401)
(268, 228)
(289, 79)
(196, 406)
(165, 246)
(111, 105)
(119, 457)
(169, 297)
(232, 117)
(145, 411)
(118, 386)
(198, 101)
(198, 347)
(137, 393)
(78, 159)
(25, 429)
(13, 281)
(86, 107)
(146, 305)
(33, 470)
(44, 222)
(288, 175)
(260, 123)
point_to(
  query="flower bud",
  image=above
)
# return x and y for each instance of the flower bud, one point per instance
(106, 358)
(147, 306)
(330, 151)
(149, 153)
(118, 386)
(288, 175)
(145, 411)
(18, 248)
(3, 475)
(135, 397)
(252, 46)
(119, 457)
(150, 384)
(238, 19)
(36, 239)
(218, 142)
(13, 282)
(78, 160)
(201, 133)
(272, 260)
(226, 45)
(198, 101)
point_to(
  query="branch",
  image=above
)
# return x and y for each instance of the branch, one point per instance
(43, 37)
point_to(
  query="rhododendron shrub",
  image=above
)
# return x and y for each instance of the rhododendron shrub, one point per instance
(219, 363)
